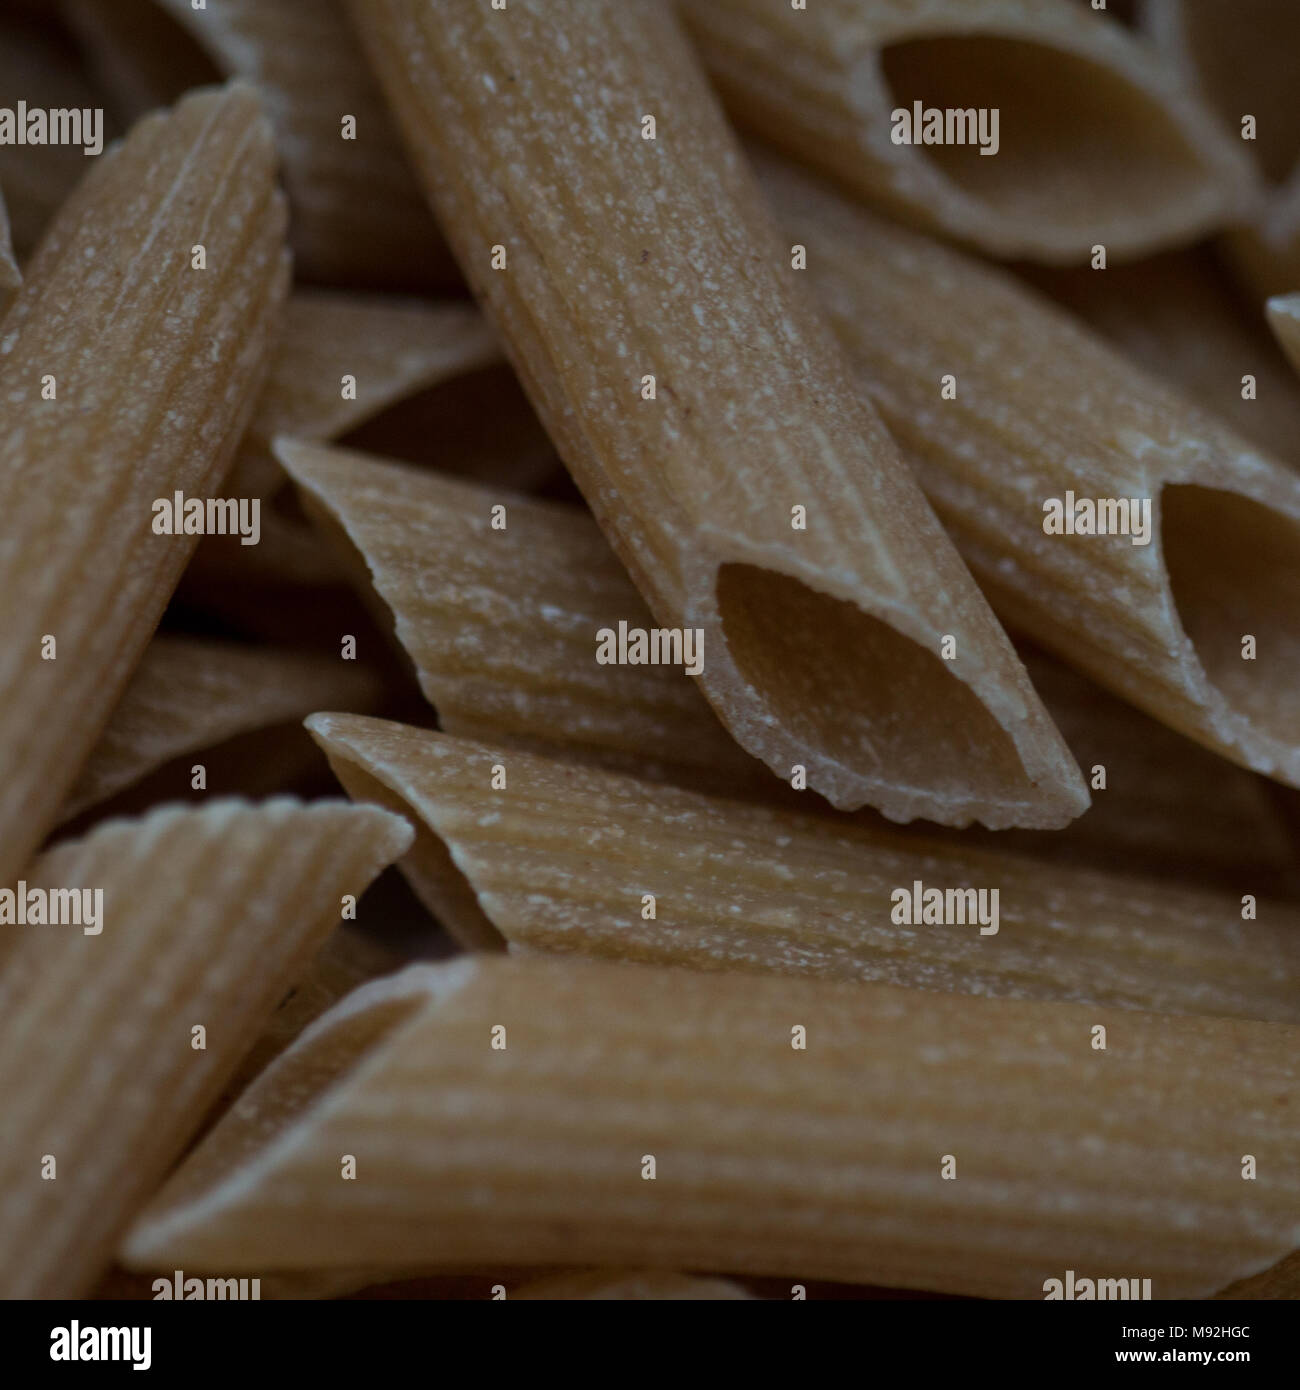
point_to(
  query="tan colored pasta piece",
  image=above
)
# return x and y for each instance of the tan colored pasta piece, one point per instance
(10, 276)
(358, 217)
(1096, 142)
(634, 264)
(1180, 317)
(111, 298)
(824, 1162)
(502, 625)
(189, 694)
(393, 348)
(350, 957)
(649, 1285)
(207, 917)
(1169, 806)
(1042, 421)
(501, 628)
(576, 859)
(1239, 55)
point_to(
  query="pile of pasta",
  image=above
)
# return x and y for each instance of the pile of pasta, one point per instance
(509, 326)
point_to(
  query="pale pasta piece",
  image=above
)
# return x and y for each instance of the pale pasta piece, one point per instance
(188, 694)
(358, 217)
(532, 1111)
(1096, 142)
(502, 628)
(1239, 55)
(344, 358)
(207, 917)
(1181, 318)
(502, 624)
(391, 347)
(555, 857)
(112, 297)
(502, 633)
(1168, 806)
(1023, 427)
(705, 412)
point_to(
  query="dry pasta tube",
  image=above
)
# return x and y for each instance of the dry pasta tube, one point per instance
(344, 359)
(1110, 519)
(548, 856)
(706, 414)
(358, 217)
(117, 1035)
(115, 294)
(1032, 130)
(503, 629)
(188, 694)
(536, 1111)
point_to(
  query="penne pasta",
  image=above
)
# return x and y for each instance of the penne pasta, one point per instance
(501, 625)
(344, 359)
(1168, 807)
(535, 1112)
(358, 218)
(550, 856)
(112, 296)
(349, 958)
(391, 348)
(1239, 56)
(114, 1043)
(642, 302)
(1111, 520)
(1180, 317)
(1031, 130)
(187, 695)
(500, 628)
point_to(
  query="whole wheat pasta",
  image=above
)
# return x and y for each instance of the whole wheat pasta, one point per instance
(358, 217)
(344, 358)
(188, 694)
(1032, 438)
(1032, 130)
(349, 958)
(206, 917)
(1239, 55)
(549, 856)
(1169, 807)
(391, 348)
(502, 627)
(113, 296)
(673, 1114)
(1180, 317)
(705, 413)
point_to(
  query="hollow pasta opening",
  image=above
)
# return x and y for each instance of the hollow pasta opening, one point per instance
(1234, 568)
(860, 692)
(1074, 137)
